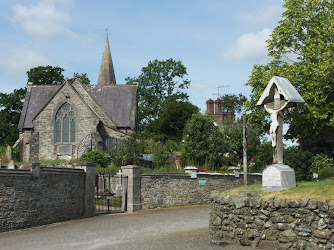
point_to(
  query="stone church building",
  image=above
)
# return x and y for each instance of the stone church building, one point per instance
(64, 121)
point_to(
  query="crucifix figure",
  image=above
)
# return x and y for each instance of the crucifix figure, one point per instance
(278, 95)
(274, 122)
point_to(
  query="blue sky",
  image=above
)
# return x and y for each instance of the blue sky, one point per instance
(218, 41)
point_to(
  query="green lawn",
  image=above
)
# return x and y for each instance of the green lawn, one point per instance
(313, 189)
(112, 202)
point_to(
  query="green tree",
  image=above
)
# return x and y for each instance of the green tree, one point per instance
(83, 78)
(49, 75)
(161, 156)
(99, 157)
(46, 75)
(159, 83)
(171, 121)
(232, 134)
(233, 102)
(131, 150)
(203, 142)
(10, 110)
(263, 156)
(300, 161)
(323, 165)
(302, 47)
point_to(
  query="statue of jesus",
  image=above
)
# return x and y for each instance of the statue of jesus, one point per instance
(274, 122)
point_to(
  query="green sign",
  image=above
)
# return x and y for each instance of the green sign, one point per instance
(202, 182)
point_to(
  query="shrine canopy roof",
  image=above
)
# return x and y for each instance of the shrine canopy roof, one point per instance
(285, 89)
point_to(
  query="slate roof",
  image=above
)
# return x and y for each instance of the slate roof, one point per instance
(35, 101)
(119, 102)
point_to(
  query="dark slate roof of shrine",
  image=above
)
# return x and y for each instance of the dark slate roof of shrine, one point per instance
(119, 102)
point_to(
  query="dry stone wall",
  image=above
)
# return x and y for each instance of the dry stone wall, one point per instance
(272, 224)
(29, 198)
(168, 189)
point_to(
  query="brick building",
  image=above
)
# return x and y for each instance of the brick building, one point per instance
(217, 111)
(64, 121)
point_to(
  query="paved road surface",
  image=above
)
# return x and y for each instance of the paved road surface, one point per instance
(181, 228)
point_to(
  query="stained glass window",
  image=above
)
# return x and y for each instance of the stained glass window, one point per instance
(65, 124)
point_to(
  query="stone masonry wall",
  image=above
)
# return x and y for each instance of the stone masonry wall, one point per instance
(272, 224)
(168, 189)
(28, 201)
(86, 122)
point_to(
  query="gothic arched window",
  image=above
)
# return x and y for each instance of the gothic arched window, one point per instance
(65, 124)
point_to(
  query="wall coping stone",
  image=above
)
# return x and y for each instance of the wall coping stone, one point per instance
(24, 172)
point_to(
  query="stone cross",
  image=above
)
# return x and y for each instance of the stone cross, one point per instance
(278, 95)
(9, 153)
(11, 164)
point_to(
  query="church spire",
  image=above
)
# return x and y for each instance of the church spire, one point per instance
(107, 74)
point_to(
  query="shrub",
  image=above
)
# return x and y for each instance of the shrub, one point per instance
(323, 165)
(3, 156)
(300, 160)
(99, 157)
(107, 171)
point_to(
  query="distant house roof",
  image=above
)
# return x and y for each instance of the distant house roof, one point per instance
(284, 87)
(119, 102)
(147, 157)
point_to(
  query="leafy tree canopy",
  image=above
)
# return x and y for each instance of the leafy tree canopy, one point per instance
(233, 102)
(82, 78)
(171, 121)
(302, 47)
(203, 142)
(49, 75)
(46, 75)
(159, 83)
(232, 134)
(300, 160)
(10, 109)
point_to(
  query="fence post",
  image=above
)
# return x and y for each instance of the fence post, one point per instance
(89, 168)
(133, 197)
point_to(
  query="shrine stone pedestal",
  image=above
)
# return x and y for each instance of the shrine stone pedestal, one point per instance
(278, 177)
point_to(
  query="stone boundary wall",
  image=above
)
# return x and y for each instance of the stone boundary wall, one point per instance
(175, 189)
(272, 224)
(40, 196)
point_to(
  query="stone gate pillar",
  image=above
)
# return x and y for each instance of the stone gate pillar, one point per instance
(133, 190)
(90, 169)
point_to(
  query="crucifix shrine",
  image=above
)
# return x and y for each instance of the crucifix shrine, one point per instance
(278, 95)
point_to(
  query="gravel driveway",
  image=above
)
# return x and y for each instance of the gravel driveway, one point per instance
(181, 228)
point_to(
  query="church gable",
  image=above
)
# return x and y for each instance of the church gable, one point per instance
(62, 124)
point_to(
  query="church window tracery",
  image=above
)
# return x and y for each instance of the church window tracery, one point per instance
(65, 124)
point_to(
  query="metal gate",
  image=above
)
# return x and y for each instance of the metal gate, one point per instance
(110, 193)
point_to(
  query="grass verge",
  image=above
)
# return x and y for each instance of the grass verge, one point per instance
(112, 202)
(313, 189)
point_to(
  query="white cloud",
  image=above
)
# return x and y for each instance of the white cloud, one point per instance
(21, 59)
(249, 47)
(265, 16)
(45, 20)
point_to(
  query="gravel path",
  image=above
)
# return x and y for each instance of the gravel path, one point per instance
(181, 228)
